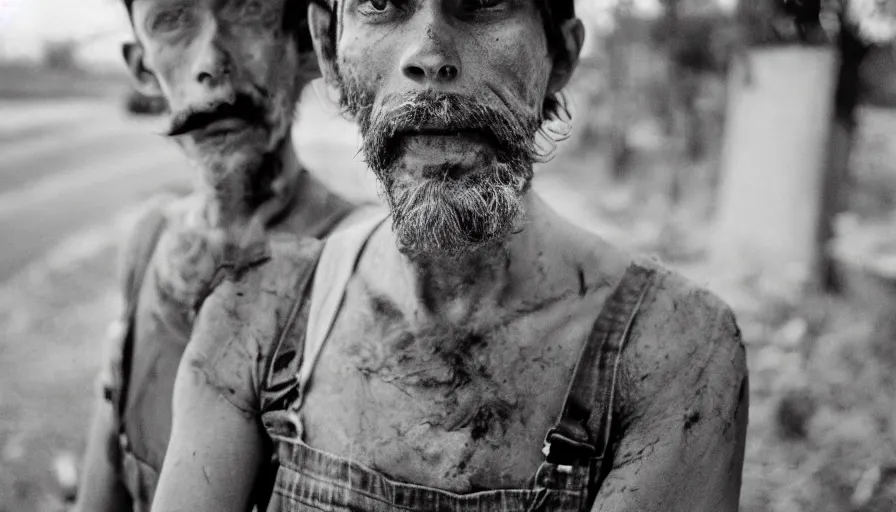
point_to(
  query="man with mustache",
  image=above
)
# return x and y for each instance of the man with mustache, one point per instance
(485, 354)
(231, 72)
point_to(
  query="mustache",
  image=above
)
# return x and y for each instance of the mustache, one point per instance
(512, 135)
(244, 106)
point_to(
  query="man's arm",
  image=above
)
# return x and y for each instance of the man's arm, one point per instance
(216, 449)
(684, 432)
(218, 445)
(101, 490)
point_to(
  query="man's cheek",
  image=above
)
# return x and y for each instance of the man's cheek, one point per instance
(173, 79)
(369, 57)
(511, 58)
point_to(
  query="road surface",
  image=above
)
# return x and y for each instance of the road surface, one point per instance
(68, 165)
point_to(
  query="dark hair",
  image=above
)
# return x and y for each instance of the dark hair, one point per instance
(554, 13)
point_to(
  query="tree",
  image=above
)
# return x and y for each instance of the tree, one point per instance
(788, 141)
(779, 110)
(863, 24)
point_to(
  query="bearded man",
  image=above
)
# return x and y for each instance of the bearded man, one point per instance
(231, 72)
(483, 353)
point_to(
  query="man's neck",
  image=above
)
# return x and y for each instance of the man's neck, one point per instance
(454, 289)
(233, 203)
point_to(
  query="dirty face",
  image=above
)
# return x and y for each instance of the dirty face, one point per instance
(449, 96)
(230, 72)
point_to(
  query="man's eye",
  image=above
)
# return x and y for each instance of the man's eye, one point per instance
(481, 4)
(253, 8)
(375, 7)
(166, 21)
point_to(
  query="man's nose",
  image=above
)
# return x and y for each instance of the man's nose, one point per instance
(213, 62)
(432, 59)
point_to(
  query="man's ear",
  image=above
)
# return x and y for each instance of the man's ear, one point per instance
(566, 57)
(144, 80)
(322, 24)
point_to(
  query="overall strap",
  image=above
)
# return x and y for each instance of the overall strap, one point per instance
(582, 434)
(335, 268)
(133, 473)
(133, 286)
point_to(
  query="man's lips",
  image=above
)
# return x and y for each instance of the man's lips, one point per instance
(435, 149)
(217, 127)
(449, 135)
(223, 125)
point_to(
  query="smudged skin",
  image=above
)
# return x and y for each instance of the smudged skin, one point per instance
(390, 392)
(466, 408)
(448, 370)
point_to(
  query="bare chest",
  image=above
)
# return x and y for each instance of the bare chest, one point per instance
(449, 408)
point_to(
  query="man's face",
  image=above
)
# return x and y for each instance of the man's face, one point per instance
(229, 72)
(449, 96)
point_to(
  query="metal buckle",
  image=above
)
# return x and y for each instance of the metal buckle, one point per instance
(546, 450)
(575, 450)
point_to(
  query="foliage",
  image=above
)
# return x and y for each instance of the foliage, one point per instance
(816, 21)
(700, 43)
(60, 55)
(874, 20)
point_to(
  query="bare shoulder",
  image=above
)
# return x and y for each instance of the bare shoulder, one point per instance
(240, 322)
(253, 295)
(682, 318)
(685, 343)
(598, 263)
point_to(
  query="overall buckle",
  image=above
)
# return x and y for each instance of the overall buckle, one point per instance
(563, 449)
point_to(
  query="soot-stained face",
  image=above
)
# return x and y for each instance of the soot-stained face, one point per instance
(449, 96)
(229, 70)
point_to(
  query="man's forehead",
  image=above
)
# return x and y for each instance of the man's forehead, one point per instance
(555, 9)
(210, 3)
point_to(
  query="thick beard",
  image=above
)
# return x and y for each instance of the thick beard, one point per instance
(445, 217)
(451, 218)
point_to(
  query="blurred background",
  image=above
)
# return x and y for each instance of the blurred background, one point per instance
(751, 146)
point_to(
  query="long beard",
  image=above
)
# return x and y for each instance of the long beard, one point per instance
(446, 216)
(454, 217)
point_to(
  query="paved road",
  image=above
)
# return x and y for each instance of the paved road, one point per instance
(66, 166)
